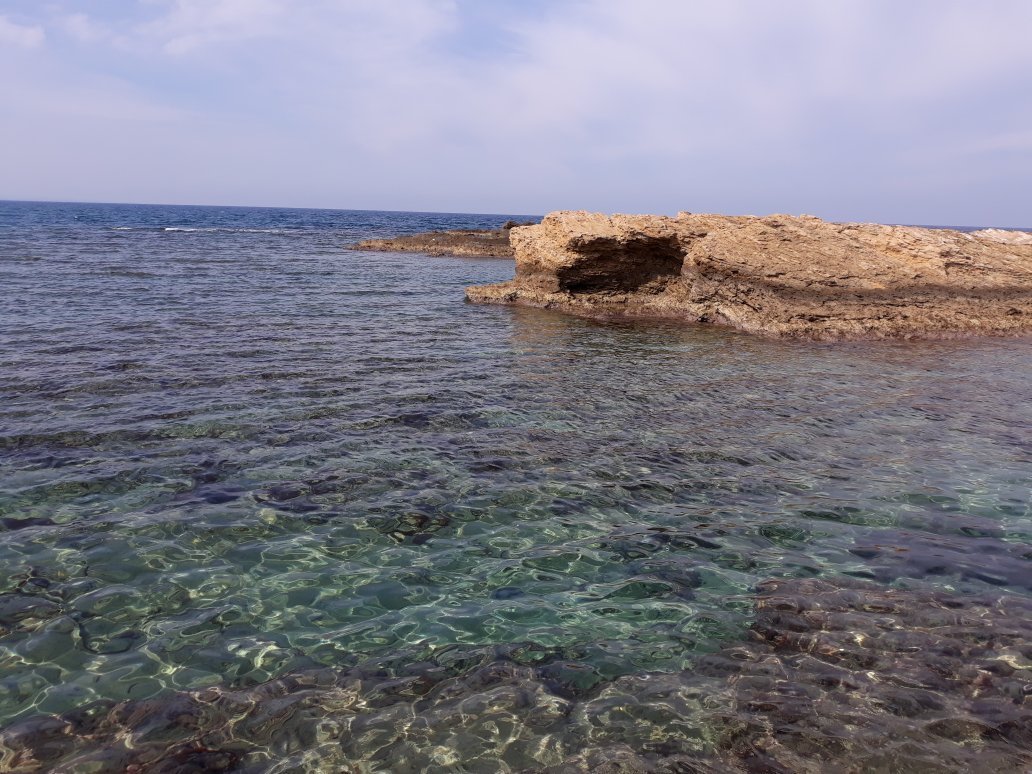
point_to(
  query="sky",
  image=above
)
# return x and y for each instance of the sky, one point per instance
(901, 111)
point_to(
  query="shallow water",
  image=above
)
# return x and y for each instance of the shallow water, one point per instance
(343, 520)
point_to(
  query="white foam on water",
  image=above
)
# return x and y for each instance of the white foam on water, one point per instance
(227, 230)
(212, 230)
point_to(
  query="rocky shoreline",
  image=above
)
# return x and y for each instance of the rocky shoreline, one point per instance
(463, 243)
(781, 276)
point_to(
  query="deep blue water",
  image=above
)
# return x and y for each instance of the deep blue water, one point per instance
(268, 504)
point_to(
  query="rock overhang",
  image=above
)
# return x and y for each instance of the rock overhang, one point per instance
(779, 275)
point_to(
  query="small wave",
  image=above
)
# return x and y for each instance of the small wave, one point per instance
(216, 230)
(209, 230)
(129, 273)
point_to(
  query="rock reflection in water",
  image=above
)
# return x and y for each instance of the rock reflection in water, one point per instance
(840, 676)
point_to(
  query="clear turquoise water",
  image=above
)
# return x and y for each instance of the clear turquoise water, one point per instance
(232, 452)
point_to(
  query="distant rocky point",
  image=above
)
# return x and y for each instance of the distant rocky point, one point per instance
(780, 275)
(1002, 235)
(479, 243)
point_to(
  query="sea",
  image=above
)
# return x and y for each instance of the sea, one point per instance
(268, 504)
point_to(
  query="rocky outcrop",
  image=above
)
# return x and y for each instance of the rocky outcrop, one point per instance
(1004, 236)
(469, 243)
(777, 275)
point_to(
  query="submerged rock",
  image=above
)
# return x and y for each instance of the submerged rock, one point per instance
(832, 675)
(841, 675)
(778, 275)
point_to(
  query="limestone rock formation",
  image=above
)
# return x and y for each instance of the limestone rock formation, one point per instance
(467, 243)
(1002, 235)
(778, 275)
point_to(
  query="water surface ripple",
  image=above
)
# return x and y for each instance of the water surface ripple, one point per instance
(270, 505)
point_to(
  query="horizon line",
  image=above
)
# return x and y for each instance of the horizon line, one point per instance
(257, 207)
(457, 212)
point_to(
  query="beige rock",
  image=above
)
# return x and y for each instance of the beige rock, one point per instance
(778, 275)
(1002, 235)
(466, 243)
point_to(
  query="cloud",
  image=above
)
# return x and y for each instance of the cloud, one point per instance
(192, 24)
(874, 110)
(23, 36)
(1011, 142)
(319, 26)
(82, 28)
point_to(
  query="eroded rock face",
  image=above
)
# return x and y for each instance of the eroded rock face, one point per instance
(777, 275)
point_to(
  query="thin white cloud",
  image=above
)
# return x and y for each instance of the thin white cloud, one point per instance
(21, 35)
(192, 24)
(197, 26)
(1011, 142)
(82, 28)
